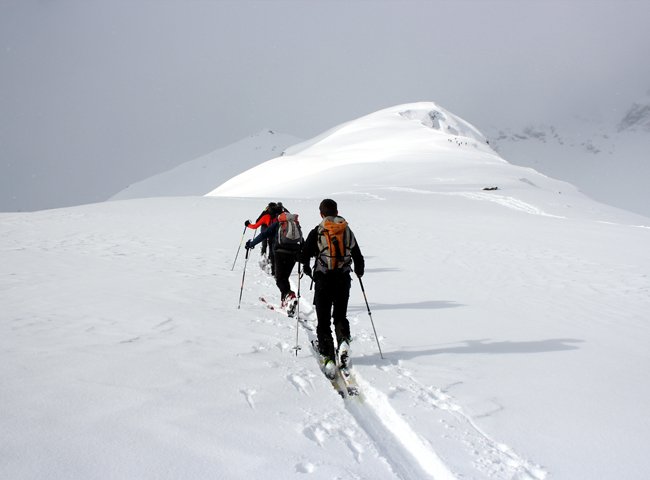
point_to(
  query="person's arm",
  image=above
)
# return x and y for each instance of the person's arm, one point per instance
(309, 248)
(357, 258)
(264, 220)
(272, 230)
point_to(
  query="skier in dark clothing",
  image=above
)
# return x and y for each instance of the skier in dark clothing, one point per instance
(268, 216)
(335, 248)
(285, 253)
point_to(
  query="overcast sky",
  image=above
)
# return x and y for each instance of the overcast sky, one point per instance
(95, 95)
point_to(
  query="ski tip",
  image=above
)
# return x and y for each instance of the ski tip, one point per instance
(353, 391)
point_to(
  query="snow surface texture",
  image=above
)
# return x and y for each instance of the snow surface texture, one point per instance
(513, 324)
(199, 176)
(608, 160)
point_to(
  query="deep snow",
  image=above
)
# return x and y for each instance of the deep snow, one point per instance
(513, 323)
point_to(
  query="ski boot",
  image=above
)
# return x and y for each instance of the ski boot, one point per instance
(344, 354)
(290, 303)
(327, 364)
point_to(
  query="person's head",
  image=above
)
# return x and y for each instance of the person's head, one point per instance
(276, 210)
(328, 208)
(271, 206)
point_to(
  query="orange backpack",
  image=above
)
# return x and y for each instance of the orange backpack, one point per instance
(335, 241)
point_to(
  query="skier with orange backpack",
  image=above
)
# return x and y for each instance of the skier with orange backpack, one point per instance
(336, 249)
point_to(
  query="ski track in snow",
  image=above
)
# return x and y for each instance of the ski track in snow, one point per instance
(408, 456)
(406, 453)
(503, 200)
(491, 457)
(509, 202)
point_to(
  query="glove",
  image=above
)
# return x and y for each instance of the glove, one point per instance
(247, 223)
(306, 269)
(359, 271)
(249, 244)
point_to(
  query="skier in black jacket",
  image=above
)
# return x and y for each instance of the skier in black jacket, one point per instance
(335, 248)
(285, 257)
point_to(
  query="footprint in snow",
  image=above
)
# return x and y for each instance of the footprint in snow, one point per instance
(248, 393)
(334, 428)
(283, 346)
(303, 384)
(305, 467)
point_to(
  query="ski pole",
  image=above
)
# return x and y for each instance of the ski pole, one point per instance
(370, 315)
(240, 242)
(297, 347)
(242, 279)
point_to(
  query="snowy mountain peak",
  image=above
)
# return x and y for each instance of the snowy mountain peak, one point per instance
(425, 121)
(419, 148)
(432, 116)
(364, 151)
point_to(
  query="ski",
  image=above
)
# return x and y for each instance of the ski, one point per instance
(343, 382)
(271, 306)
(343, 364)
(338, 384)
(350, 382)
(290, 311)
(277, 308)
(337, 381)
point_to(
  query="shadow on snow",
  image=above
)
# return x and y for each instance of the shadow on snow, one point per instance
(427, 305)
(477, 346)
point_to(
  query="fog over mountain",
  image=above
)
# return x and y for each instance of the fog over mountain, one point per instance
(96, 96)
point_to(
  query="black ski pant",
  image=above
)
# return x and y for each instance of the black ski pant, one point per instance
(331, 295)
(284, 263)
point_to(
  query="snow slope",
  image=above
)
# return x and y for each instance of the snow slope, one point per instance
(513, 325)
(199, 176)
(606, 159)
(418, 146)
